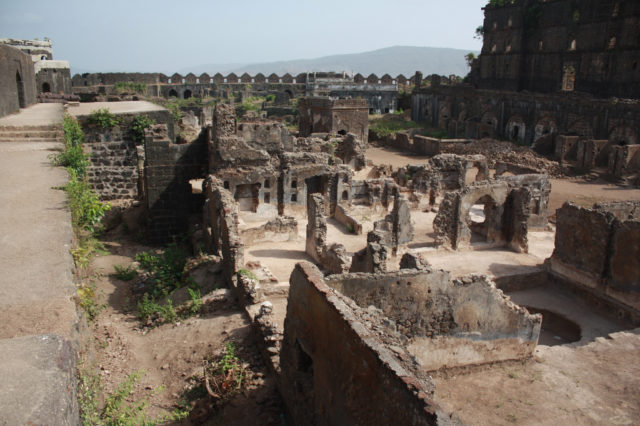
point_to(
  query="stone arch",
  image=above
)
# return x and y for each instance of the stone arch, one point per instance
(46, 88)
(186, 94)
(173, 93)
(544, 127)
(623, 135)
(481, 218)
(515, 129)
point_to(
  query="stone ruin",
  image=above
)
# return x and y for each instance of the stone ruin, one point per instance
(407, 323)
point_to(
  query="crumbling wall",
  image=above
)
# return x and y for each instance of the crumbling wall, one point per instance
(334, 258)
(598, 249)
(371, 259)
(220, 223)
(335, 116)
(350, 222)
(330, 355)
(282, 228)
(168, 169)
(624, 160)
(540, 190)
(448, 323)
(396, 228)
(351, 151)
(507, 211)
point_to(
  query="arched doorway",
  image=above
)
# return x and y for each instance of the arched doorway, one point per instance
(173, 93)
(481, 218)
(46, 88)
(187, 94)
(20, 85)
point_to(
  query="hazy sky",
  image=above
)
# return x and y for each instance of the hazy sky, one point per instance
(165, 36)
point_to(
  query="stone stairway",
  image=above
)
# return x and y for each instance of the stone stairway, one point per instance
(41, 133)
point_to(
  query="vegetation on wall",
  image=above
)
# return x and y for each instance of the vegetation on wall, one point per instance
(128, 86)
(139, 124)
(103, 118)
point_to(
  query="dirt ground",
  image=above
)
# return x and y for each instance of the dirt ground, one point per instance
(171, 355)
(592, 384)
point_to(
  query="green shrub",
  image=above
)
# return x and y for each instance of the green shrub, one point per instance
(165, 270)
(196, 301)
(87, 247)
(87, 299)
(247, 273)
(72, 157)
(226, 375)
(86, 209)
(150, 309)
(125, 273)
(139, 124)
(73, 134)
(103, 118)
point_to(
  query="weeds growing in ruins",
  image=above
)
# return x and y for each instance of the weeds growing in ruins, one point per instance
(87, 300)
(125, 273)
(86, 208)
(226, 375)
(247, 273)
(118, 408)
(163, 273)
(139, 124)
(103, 118)
(72, 157)
(129, 86)
(253, 103)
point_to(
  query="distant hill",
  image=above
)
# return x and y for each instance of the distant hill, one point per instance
(395, 60)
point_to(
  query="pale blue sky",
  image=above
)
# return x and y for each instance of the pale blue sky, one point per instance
(165, 36)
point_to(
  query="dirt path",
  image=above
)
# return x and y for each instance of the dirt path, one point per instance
(171, 355)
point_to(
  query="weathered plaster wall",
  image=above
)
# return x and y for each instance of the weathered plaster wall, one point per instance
(336, 370)
(598, 249)
(18, 84)
(449, 323)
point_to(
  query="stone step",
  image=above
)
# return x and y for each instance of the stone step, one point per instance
(21, 134)
(51, 127)
(27, 140)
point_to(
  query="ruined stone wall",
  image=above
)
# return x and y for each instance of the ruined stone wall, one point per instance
(55, 80)
(282, 228)
(525, 117)
(589, 46)
(440, 316)
(325, 369)
(18, 85)
(168, 169)
(598, 249)
(220, 225)
(624, 160)
(332, 258)
(115, 163)
(350, 222)
(339, 116)
(506, 206)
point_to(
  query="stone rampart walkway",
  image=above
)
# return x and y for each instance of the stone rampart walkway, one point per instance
(38, 318)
